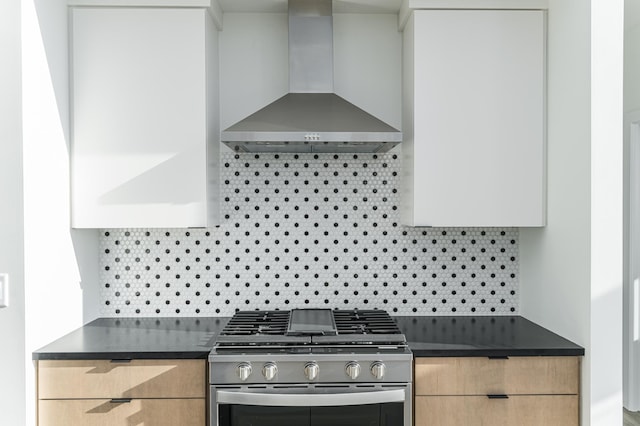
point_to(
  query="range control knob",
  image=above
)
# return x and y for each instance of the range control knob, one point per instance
(269, 370)
(378, 369)
(353, 370)
(244, 371)
(311, 370)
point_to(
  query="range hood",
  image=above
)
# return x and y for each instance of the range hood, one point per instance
(311, 118)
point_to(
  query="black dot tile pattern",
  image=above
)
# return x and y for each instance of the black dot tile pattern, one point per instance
(309, 230)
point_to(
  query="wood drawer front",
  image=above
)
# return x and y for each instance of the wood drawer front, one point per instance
(484, 376)
(103, 412)
(85, 379)
(521, 410)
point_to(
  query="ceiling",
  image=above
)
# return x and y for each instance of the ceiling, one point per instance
(339, 6)
(631, 16)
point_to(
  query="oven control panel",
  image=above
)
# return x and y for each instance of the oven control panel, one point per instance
(301, 369)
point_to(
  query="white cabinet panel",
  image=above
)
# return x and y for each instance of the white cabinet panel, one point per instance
(143, 148)
(474, 118)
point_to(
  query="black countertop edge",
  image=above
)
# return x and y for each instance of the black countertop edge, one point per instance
(76, 356)
(483, 336)
(193, 338)
(136, 338)
(499, 353)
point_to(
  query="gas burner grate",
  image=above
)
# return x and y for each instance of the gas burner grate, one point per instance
(250, 323)
(364, 322)
(271, 328)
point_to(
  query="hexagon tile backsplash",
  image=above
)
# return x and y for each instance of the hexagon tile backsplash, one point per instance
(309, 230)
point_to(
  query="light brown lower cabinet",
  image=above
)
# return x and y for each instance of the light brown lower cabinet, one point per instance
(518, 410)
(138, 378)
(105, 412)
(154, 392)
(480, 391)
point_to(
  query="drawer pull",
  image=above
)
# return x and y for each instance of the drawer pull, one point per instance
(121, 361)
(120, 400)
(498, 396)
(498, 357)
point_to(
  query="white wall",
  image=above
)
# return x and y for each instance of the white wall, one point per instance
(571, 270)
(554, 267)
(61, 265)
(368, 63)
(253, 63)
(606, 210)
(632, 113)
(12, 355)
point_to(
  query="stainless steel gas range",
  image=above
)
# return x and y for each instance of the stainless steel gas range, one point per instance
(315, 367)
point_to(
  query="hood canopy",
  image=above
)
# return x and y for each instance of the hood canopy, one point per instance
(311, 118)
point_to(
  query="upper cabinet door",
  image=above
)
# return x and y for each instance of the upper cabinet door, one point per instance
(474, 118)
(144, 143)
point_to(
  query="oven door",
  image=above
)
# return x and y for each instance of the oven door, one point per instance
(313, 405)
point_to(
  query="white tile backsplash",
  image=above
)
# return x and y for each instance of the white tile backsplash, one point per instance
(309, 230)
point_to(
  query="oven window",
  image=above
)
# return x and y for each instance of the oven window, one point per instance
(390, 414)
(358, 415)
(250, 415)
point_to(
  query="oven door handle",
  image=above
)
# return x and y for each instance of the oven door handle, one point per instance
(310, 399)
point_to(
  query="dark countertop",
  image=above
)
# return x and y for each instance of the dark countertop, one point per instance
(129, 338)
(482, 336)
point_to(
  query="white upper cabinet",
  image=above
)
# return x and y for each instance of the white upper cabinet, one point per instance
(474, 118)
(145, 139)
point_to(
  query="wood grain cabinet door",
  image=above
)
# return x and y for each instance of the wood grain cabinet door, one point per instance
(157, 378)
(521, 410)
(104, 412)
(484, 376)
(478, 391)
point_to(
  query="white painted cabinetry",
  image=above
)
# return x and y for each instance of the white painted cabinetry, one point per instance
(145, 138)
(474, 118)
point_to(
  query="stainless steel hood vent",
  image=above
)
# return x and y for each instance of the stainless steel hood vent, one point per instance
(311, 118)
